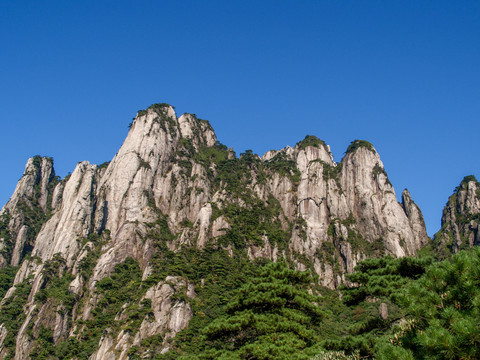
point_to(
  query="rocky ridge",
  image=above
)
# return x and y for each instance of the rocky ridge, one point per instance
(172, 186)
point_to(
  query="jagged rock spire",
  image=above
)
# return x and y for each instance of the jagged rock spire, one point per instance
(461, 217)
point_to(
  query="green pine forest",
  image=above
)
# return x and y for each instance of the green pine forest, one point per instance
(407, 308)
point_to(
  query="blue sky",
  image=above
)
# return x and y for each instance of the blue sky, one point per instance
(403, 75)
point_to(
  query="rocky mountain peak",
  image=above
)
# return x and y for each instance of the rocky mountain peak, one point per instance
(38, 174)
(468, 196)
(461, 217)
(309, 149)
(200, 132)
(415, 218)
(33, 200)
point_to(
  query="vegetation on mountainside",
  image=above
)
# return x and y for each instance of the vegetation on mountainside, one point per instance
(246, 310)
(357, 144)
(6, 235)
(7, 275)
(376, 282)
(273, 316)
(443, 320)
(155, 107)
(12, 315)
(311, 140)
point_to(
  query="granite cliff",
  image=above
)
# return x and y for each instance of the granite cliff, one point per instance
(173, 187)
(460, 219)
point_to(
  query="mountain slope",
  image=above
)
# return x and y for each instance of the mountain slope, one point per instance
(172, 193)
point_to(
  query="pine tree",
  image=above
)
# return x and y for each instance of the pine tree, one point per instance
(272, 317)
(444, 307)
(374, 285)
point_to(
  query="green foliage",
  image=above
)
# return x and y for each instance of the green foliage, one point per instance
(356, 144)
(211, 154)
(383, 278)
(185, 148)
(311, 140)
(234, 175)
(374, 281)
(87, 263)
(332, 172)
(358, 243)
(327, 253)
(469, 178)
(118, 293)
(12, 315)
(271, 317)
(167, 123)
(103, 165)
(377, 170)
(7, 275)
(160, 233)
(215, 276)
(249, 224)
(56, 287)
(33, 216)
(143, 164)
(336, 355)
(5, 234)
(45, 347)
(122, 287)
(444, 308)
(160, 107)
(284, 166)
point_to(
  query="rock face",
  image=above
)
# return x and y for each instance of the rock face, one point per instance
(415, 217)
(172, 181)
(27, 209)
(461, 217)
(168, 317)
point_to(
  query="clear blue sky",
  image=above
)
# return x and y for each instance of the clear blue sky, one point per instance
(404, 75)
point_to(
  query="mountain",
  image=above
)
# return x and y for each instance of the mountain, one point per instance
(117, 257)
(460, 219)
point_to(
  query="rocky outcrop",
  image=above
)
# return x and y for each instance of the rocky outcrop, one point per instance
(349, 210)
(169, 314)
(415, 217)
(461, 217)
(72, 219)
(27, 209)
